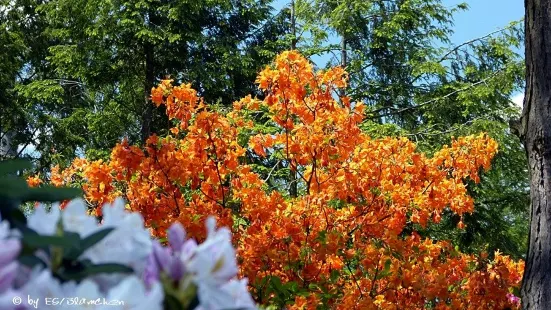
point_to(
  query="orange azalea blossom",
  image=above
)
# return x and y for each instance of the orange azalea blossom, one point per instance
(34, 181)
(342, 243)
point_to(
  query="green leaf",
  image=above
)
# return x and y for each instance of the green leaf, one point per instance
(51, 194)
(13, 215)
(13, 188)
(162, 240)
(73, 236)
(96, 237)
(386, 270)
(108, 268)
(388, 262)
(88, 242)
(14, 166)
(33, 239)
(334, 275)
(31, 261)
(91, 270)
(172, 303)
(276, 282)
(194, 303)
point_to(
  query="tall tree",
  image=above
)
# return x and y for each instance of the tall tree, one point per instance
(88, 66)
(13, 45)
(536, 131)
(202, 42)
(24, 121)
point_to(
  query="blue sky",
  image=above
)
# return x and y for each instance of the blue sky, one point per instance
(484, 16)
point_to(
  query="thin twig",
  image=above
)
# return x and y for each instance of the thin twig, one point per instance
(455, 48)
(271, 171)
(398, 111)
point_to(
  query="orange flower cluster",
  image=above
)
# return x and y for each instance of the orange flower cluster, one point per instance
(348, 241)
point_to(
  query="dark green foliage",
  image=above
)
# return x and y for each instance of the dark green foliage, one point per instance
(83, 81)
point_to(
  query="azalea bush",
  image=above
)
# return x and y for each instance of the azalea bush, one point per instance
(348, 235)
(66, 259)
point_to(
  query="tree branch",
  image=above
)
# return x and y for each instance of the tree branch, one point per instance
(398, 111)
(455, 48)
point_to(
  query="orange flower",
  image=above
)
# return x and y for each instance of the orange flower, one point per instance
(341, 243)
(34, 181)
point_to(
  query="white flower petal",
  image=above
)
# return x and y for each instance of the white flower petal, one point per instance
(76, 219)
(133, 293)
(214, 261)
(42, 285)
(44, 222)
(129, 244)
(7, 298)
(232, 295)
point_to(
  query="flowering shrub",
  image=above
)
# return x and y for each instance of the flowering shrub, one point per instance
(350, 239)
(120, 264)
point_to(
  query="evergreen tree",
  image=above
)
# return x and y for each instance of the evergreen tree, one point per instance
(90, 65)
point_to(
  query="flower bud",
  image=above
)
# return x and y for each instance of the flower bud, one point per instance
(176, 236)
(161, 254)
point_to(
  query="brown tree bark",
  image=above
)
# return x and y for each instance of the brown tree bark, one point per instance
(293, 179)
(293, 26)
(535, 131)
(147, 115)
(344, 61)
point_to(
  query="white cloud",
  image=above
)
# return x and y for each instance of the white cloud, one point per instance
(518, 99)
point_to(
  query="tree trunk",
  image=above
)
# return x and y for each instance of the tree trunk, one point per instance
(344, 58)
(344, 62)
(147, 116)
(293, 27)
(293, 180)
(535, 130)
